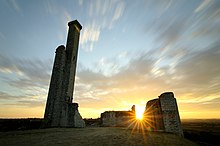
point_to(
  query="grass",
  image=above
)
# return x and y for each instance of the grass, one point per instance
(94, 136)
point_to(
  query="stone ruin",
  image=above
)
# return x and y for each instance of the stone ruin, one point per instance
(118, 118)
(163, 115)
(160, 114)
(60, 111)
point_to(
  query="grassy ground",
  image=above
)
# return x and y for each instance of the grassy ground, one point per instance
(96, 136)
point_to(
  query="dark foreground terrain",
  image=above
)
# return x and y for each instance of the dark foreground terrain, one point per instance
(94, 136)
(203, 132)
(29, 132)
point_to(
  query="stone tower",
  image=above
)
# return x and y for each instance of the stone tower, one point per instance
(60, 111)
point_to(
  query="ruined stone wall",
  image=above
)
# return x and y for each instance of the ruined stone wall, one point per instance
(108, 118)
(153, 115)
(117, 118)
(170, 113)
(162, 114)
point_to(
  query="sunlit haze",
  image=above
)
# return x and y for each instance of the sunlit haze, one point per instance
(139, 112)
(129, 53)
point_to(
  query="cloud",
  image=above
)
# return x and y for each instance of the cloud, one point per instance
(61, 12)
(80, 2)
(108, 66)
(7, 65)
(172, 32)
(50, 7)
(211, 105)
(15, 5)
(203, 5)
(101, 8)
(200, 73)
(118, 11)
(27, 75)
(103, 14)
(2, 36)
(27, 100)
(184, 58)
(90, 35)
(65, 18)
(123, 54)
(28, 69)
(6, 96)
(31, 103)
(196, 80)
(127, 79)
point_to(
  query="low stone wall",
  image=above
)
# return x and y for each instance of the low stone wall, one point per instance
(117, 118)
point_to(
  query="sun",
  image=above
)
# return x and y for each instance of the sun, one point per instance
(139, 112)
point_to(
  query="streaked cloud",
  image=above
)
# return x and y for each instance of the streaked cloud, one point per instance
(28, 80)
(66, 17)
(22, 100)
(100, 7)
(118, 11)
(196, 80)
(101, 18)
(29, 75)
(15, 5)
(50, 7)
(6, 96)
(90, 35)
(123, 54)
(203, 5)
(2, 36)
(80, 2)
(157, 46)
(32, 69)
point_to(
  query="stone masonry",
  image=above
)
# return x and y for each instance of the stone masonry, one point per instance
(153, 115)
(162, 114)
(170, 113)
(118, 118)
(60, 111)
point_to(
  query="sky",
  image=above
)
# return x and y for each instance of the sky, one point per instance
(129, 52)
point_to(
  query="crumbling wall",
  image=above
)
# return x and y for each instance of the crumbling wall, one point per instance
(170, 113)
(108, 118)
(153, 115)
(117, 118)
(162, 114)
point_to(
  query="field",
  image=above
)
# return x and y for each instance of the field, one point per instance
(202, 131)
(28, 132)
(94, 136)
